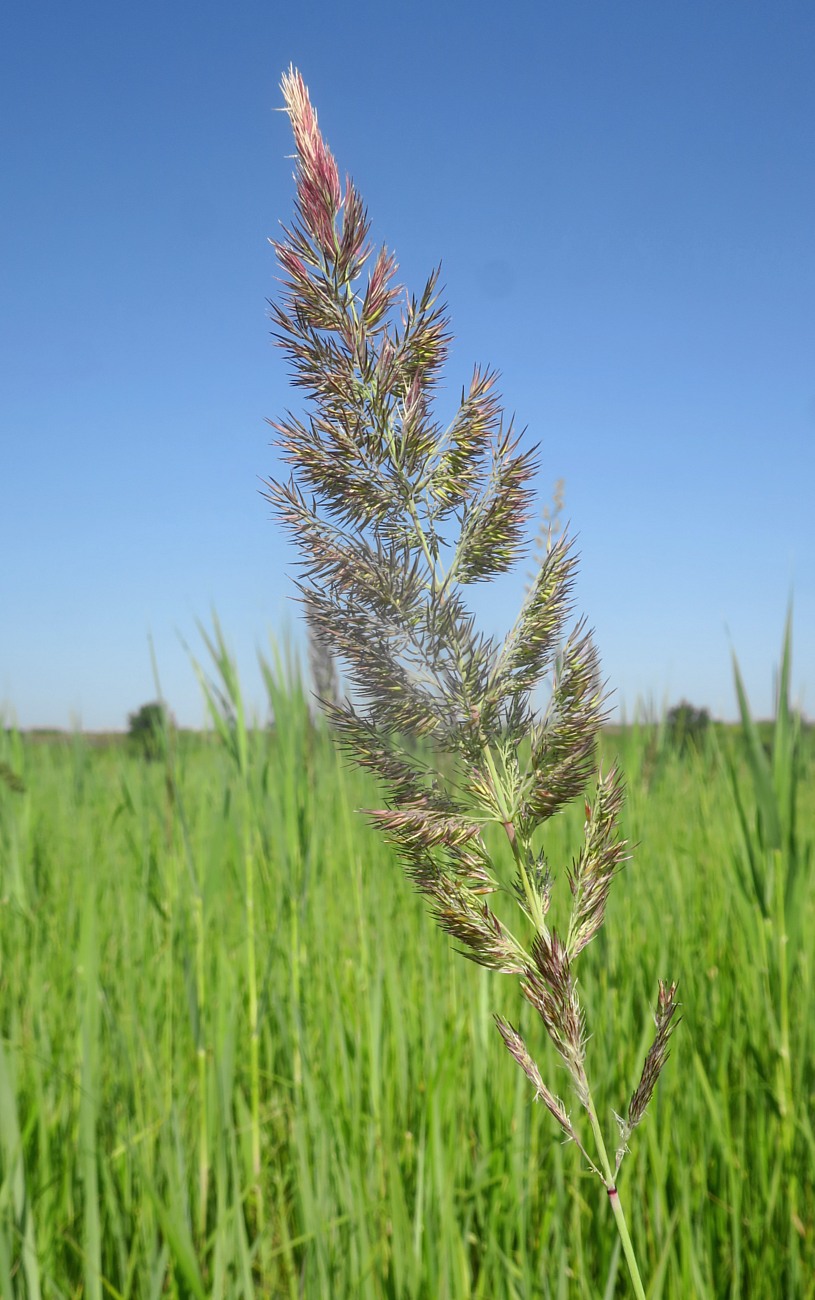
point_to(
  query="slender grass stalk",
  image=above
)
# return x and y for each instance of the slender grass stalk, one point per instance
(175, 821)
(776, 876)
(252, 990)
(201, 1061)
(224, 700)
(89, 1045)
(395, 517)
(14, 1191)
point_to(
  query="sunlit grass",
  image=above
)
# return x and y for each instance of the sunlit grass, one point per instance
(354, 1126)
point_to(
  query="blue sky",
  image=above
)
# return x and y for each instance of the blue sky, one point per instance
(622, 196)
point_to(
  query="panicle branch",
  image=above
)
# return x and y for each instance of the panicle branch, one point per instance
(601, 857)
(517, 1048)
(666, 1021)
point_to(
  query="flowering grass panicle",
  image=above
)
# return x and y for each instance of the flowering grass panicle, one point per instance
(396, 517)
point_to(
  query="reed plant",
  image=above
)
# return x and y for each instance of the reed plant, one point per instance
(396, 517)
(400, 1154)
(774, 872)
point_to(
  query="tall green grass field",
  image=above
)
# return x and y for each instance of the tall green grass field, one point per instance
(237, 1059)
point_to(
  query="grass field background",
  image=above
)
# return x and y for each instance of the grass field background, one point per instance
(237, 1059)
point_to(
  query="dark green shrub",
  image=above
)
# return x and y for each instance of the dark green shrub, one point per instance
(686, 726)
(148, 727)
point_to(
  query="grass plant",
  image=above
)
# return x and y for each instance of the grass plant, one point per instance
(395, 518)
(400, 1153)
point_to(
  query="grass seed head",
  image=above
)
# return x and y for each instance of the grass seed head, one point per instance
(395, 518)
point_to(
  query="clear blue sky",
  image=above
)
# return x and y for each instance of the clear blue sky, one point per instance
(622, 195)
